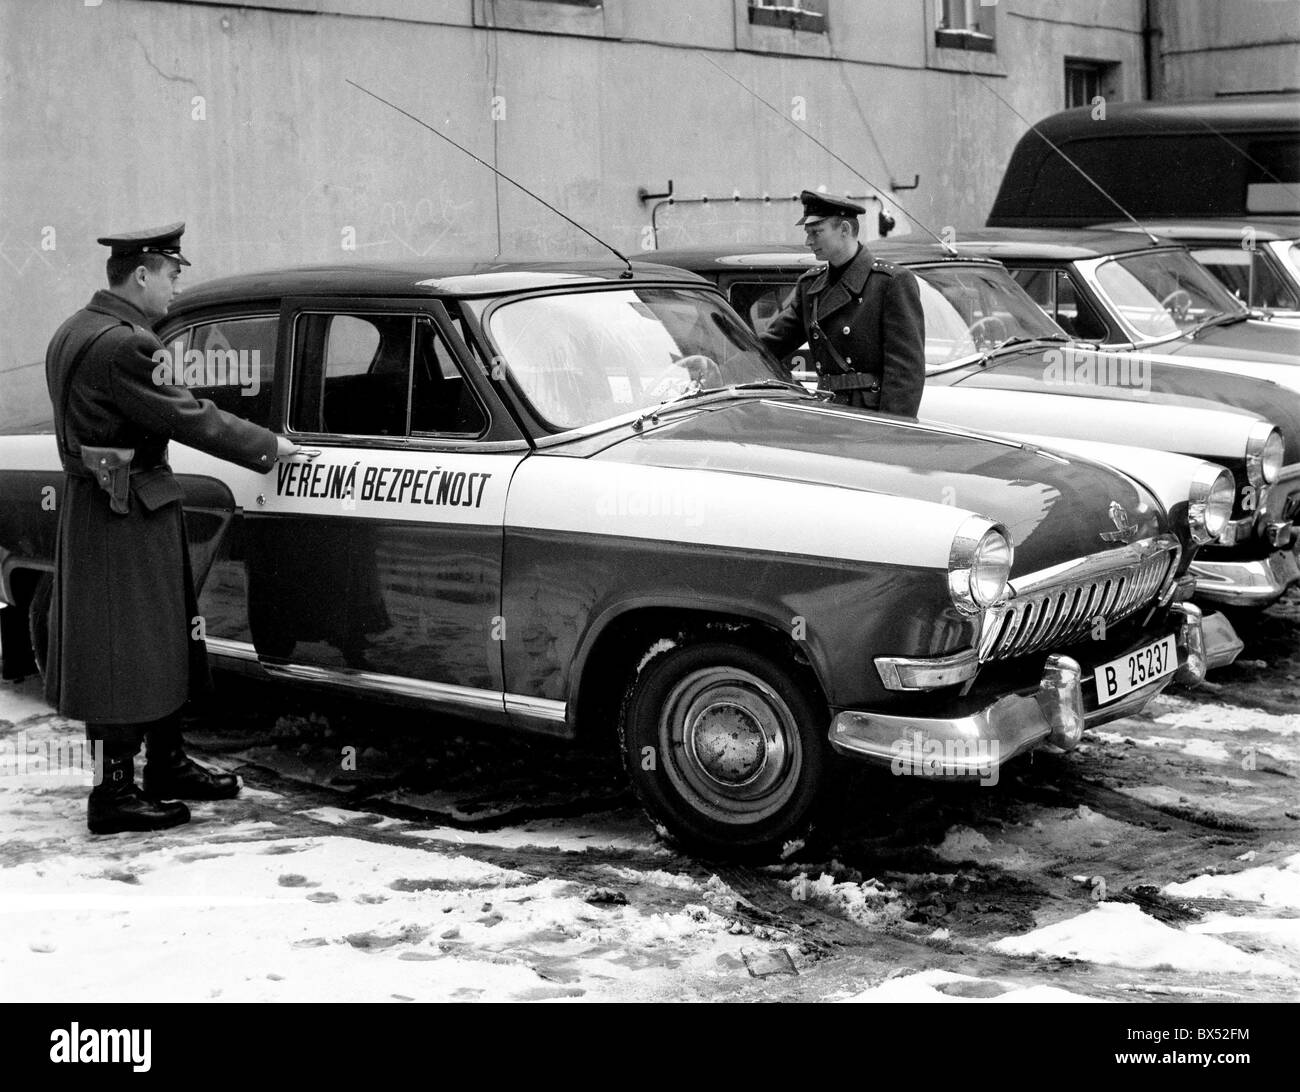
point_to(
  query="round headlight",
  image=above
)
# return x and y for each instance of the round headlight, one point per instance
(979, 564)
(1209, 503)
(1274, 453)
(1264, 453)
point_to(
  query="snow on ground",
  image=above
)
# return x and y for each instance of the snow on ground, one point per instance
(1217, 729)
(309, 919)
(565, 835)
(1121, 935)
(1268, 885)
(946, 986)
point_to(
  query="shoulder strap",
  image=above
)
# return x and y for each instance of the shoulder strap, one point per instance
(60, 422)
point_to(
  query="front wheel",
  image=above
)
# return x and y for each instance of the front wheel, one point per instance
(726, 748)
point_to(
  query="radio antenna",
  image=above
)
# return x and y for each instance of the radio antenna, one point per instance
(744, 86)
(1056, 148)
(499, 173)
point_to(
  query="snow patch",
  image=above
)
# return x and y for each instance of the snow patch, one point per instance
(1119, 934)
(1269, 885)
(946, 986)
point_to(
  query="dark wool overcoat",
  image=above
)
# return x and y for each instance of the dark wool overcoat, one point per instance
(122, 647)
(872, 319)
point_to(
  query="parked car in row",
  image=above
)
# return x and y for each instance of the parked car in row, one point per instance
(1221, 176)
(581, 499)
(1121, 291)
(1257, 260)
(996, 362)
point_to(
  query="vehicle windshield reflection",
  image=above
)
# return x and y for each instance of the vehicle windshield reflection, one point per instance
(1164, 293)
(976, 309)
(581, 358)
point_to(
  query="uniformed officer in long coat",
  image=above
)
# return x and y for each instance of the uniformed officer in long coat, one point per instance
(125, 649)
(860, 316)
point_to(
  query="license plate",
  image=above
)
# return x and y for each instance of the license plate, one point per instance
(1137, 668)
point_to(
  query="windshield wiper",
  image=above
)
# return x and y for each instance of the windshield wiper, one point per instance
(1224, 319)
(764, 384)
(692, 390)
(1020, 339)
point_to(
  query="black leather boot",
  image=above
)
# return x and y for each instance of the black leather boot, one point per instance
(117, 805)
(170, 774)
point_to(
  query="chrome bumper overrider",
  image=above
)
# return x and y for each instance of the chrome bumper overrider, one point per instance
(1244, 583)
(969, 745)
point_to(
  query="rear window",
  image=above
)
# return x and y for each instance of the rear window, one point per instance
(1169, 176)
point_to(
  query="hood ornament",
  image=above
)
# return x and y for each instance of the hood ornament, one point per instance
(1125, 529)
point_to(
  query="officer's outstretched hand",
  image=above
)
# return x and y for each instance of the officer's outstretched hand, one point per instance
(287, 451)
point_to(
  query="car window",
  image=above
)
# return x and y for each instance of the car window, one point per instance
(580, 358)
(371, 374)
(1249, 275)
(231, 363)
(970, 309)
(1164, 291)
(1074, 314)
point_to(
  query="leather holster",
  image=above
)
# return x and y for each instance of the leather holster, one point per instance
(111, 468)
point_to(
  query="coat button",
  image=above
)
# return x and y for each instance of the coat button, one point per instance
(814, 335)
(846, 329)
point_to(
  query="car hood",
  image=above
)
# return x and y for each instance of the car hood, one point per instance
(1056, 507)
(1169, 383)
(1250, 339)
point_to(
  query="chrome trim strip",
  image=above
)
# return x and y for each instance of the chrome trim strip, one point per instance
(1246, 583)
(1101, 563)
(928, 673)
(536, 708)
(463, 696)
(232, 650)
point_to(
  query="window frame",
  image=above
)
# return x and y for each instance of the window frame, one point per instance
(499, 431)
(185, 330)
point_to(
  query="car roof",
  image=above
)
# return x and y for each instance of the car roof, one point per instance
(720, 257)
(435, 278)
(1214, 230)
(1231, 113)
(1055, 244)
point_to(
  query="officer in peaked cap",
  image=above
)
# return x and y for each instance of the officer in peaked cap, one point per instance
(860, 316)
(124, 653)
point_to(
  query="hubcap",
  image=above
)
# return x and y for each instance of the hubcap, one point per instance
(732, 745)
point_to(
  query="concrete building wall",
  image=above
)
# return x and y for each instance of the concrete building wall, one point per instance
(1226, 47)
(239, 119)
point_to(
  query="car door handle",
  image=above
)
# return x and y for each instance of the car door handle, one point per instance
(309, 452)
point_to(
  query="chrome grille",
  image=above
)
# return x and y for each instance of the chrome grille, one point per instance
(1059, 606)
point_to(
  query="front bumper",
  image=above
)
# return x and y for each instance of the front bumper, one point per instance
(1246, 583)
(976, 743)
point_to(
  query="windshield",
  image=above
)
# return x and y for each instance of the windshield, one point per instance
(972, 309)
(1164, 292)
(583, 357)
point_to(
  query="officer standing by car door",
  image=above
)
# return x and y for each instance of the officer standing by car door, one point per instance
(860, 316)
(125, 648)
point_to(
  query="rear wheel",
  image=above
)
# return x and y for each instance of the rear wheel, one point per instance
(726, 748)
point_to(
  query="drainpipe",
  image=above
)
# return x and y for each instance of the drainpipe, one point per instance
(1152, 34)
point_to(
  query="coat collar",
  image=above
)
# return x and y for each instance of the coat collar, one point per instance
(850, 283)
(105, 302)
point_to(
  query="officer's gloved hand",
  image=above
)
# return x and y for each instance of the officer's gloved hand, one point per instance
(702, 369)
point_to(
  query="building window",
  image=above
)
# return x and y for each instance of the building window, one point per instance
(1085, 80)
(966, 24)
(807, 15)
